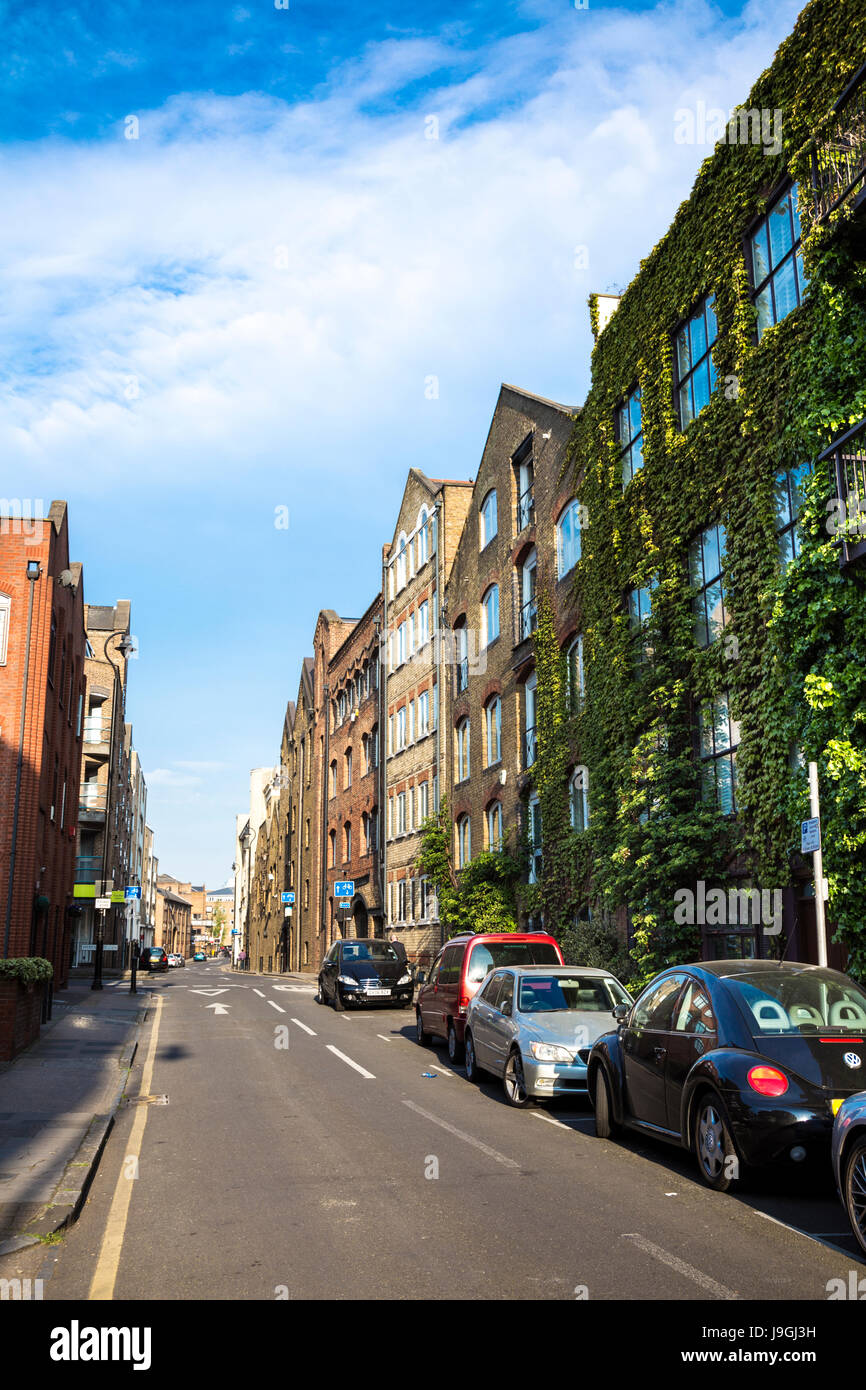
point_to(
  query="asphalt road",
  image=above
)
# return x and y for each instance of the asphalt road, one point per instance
(304, 1154)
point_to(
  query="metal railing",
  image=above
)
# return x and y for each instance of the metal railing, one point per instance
(527, 620)
(525, 509)
(88, 867)
(839, 149)
(96, 729)
(91, 799)
(846, 462)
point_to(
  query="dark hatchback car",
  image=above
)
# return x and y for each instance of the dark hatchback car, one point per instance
(154, 958)
(740, 1060)
(365, 972)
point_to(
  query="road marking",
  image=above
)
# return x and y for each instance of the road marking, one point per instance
(209, 992)
(382, 1036)
(296, 989)
(276, 1006)
(551, 1120)
(305, 1028)
(219, 1008)
(258, 992)
(461, 1134)
(343, 1058)
(105, 1274)
(440, 1069)
(689, 1271)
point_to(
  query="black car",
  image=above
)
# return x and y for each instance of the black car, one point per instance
(154, 958)
(365, 972)
(742, 1062)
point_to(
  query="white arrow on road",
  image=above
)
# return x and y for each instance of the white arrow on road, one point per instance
(209, 992)
(219, 1008)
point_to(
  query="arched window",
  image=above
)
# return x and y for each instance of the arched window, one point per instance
(332, 836)
(462, 751)
(464, 842)
(489, 523)
(347, 768)
(578, 798)
(576, 689)
(421, 542)
(494, 826)
(347, 841)
(528, 603)
(401, 561)
(490, 615)
(529, 741)
(568, 538)
(493, 730)
(333, 785)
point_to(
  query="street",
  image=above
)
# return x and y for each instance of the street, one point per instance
(334, 1168)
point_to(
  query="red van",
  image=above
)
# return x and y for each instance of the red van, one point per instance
(463, 962)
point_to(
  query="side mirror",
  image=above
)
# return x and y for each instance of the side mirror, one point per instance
(506, 1008)
(621, 1012)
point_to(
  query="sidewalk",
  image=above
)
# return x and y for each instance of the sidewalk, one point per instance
(57, 1105)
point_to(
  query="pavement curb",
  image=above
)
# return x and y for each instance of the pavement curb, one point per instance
(72, 1190)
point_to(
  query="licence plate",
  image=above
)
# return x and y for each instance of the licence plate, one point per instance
(835, 1105)
(374, 990)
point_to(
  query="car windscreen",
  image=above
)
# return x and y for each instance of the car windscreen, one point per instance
(796, 1002)
(490, 955)
(369, 950)
(591, 994)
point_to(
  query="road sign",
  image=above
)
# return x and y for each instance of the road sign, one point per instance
(117, 895)
(287, 897)
(103, 904)
(810, 836)
(84, 890)
(133, 892)
(345, 889)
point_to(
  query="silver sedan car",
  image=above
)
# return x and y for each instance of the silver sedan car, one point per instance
(849, 1161)
(534, 1025)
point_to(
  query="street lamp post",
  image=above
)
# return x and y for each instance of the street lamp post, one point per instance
(125, 647)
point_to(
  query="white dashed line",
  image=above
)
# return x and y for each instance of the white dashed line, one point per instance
(349, 1063)
(539, 1115)
(382, 1036)
(258, 992)
(460, 1134)
(440, 1069)
(681, 1267)
(276, 1006)
(305, 1028)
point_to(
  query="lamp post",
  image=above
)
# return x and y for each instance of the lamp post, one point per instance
(125, 647)
(34, 570)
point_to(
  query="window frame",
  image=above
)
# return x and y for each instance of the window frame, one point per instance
(626, 446)
(706, 359)
(571, 509)
(487, 534)
(788, 190)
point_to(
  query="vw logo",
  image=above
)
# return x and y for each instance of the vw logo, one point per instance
(851, 1060)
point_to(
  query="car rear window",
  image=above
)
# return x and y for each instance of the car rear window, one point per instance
(793, 1002)
(490, 955)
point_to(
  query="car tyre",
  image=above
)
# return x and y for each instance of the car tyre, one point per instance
(606, 1126)
(339, 1006)
(854, 1190)
(713, 1143)
(514, 1081)
(455, 1047)
(472, 1071)
(320, 997)
(421, 1034)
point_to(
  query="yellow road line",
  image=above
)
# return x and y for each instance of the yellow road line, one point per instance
(105, 1274)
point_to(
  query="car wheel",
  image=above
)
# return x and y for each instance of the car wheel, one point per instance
(455, 1047)
(605, 1125)
(421, 1035)
(714, 1147)
(472, 1073)
(854, 1190)
(337, 1002)
(320, 997)
(514, 1081)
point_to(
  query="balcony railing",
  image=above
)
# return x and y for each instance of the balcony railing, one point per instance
(96, 729)
(530, 747)
(839, 150)
(88, 867)
(91, 800)
(527, 620)
(846, 462)
(525, 509)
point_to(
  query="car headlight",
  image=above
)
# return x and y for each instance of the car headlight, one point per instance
(346, 980)
(550, 1052)
(405, 979)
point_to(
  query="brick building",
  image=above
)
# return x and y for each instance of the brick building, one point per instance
(173, 929)
(42, 657)
(520, 535)
(303, 791)
(416, 566)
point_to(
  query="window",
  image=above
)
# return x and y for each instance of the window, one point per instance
(639, 606)
(401, 728)
(489, 523)
(423, 713)
(578, 799)
(528, 600)
(401, 562)
(401, 644)
(307, 833)
(5, 606)
(575, 686)
(706, 566)
(462, 750)
(494, 827)
(423, 623)
(568, 538)
(490, 616)
(461, 655)
(421, 541)
(424, 899)
(410, 635)
(778, 279)
(628, 426)
(787, 499)
(347, 841)
(332, 836)
(655, 1007)
(347, 768)
(365, 753)
(534, 827)
(719, 737)
(525, 498)
(529, 744)
(423, 802)
(493, 730)
(400, 808)
(306, 892)
(410, 733)
(373, 830)
(333, 785)
(696, 370)
(695, 1012)
(464, 842)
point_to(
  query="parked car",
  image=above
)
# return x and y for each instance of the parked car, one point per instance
(175, 959)
(534, 1025)
(154, 958)
(199, 955)
(734, 1060)
(462, 964)
(849, 1158)
(364, 971)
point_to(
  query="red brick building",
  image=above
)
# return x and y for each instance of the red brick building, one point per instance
(42, 654)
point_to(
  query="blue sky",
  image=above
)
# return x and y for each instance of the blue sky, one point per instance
(238, 309)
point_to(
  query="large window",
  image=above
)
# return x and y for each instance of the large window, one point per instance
(423, 623)
(493, 730)
(494, 827)
(696, 371)
(462, 751)
(401, 562)
(423, 713)
(525, 497)
(489, 520)
(400, 729)
(575, 687)
(529, 743)
(528, 598)
(578, 799)
(778, 279)
(568, 538)
(719, 737)
(490, 616)
(421, 546)
(461, 655)
(706, 575)
(628, 425)
(534, 828)
(464, 842)
(787, 499)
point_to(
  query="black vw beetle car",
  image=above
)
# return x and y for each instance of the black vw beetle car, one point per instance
(365, 971)
(733, 1059)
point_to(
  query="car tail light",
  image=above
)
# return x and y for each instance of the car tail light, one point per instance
(768, 1081)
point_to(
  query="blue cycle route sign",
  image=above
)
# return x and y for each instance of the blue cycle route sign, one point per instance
(346, 889)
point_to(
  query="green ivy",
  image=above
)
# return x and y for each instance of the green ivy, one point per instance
(481, 897)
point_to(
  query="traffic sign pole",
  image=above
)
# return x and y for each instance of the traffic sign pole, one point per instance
(818, 867)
